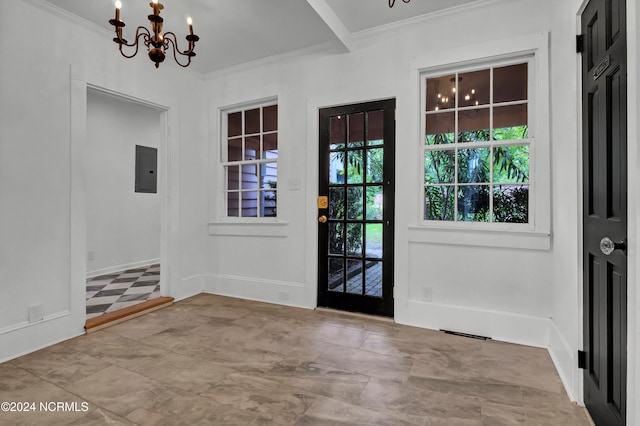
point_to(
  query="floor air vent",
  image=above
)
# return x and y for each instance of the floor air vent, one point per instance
(471, 336)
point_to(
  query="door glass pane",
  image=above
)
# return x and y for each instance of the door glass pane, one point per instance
(439, 166)
(354, 164)
(375, 128)
(373, 279)
(338, 132)
(354, 203)
(510, 83)
(473, 165)
(511, 203)
(354, 276)
(373, 246)
(354, 239)
(473, 203)
(440, 128)
(439, 203)
(375, 165)
(511, 164)
(473, 125)
(356, 129)
(441, 93)
(336, 276)
(336, 238)
(473, 88)
(336, 203)
(336, 168)
(374, 202)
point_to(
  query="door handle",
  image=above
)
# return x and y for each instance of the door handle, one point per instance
(607, 246)
(322, 219)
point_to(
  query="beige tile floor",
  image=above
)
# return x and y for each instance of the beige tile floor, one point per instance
(212, 360)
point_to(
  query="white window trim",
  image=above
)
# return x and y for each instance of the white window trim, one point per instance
(536, 234)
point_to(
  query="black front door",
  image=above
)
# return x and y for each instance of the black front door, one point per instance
(355, 207)
(604, 104)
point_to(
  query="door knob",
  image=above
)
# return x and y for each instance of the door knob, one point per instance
(607, 246)
(322, 219)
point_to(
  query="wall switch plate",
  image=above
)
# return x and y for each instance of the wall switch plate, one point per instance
(91, 255)
(294, 184)
(427, 294)
(36, 313)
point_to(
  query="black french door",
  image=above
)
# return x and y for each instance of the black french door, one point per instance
(604, 105)
(356, 207)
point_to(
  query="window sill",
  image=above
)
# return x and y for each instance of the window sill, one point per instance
(528, 240)
(249, 229)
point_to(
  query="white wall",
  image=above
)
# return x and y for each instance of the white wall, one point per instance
(123, 226)
(43, 133)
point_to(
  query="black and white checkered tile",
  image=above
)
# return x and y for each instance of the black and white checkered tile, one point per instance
(108, 293)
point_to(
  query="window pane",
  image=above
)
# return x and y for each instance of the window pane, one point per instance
(336, 203)
(354, 276)
(336, 238)
(269, 202)
(355, 203)
(249, 204)
(511, 203)
(269, 175)
(234, 124)
(375, 128)
(473, 203)
(510, 122)
(251, 148)
(338, 132)
(374, 202)
(440, 128)
(354, 239)
(374, 240)
(473, 165)
(510, 83)
(375, 165)
(252, 121)
(441, 93)
(234, 149)
(233, 178)
(473, 88)
(233, 204)
(270, 118)
(270, 146)
(354, 163)
(336, 168)
(439, 203)
(511, 164)
(439, 166)
(473, 125)
(356, 129)
(250, 176)
(373, 277)
(336, 276)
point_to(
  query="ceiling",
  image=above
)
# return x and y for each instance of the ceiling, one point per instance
(234, 32)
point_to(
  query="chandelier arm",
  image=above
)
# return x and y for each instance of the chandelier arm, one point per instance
(174, 40)
(140, 32)
(170, 38)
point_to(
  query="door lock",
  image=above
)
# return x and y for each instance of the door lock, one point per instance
(322, 219)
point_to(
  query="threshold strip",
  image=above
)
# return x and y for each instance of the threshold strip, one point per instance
(124, 314)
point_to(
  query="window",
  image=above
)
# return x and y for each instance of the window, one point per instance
(250, 161)
(477, 144)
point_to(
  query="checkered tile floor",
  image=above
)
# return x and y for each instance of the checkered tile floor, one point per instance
(108, 293)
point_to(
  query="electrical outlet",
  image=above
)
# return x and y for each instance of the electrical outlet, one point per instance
(91, 255)
(35, 313)
(283, 295)
(427, 294)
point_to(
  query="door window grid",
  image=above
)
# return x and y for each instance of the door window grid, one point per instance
(250, 161)
(476, 157)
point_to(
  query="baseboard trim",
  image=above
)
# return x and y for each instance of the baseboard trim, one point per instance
(119, 268)
(565, 362)
(125, 314)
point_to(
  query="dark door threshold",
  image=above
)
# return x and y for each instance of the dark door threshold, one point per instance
(124, 314)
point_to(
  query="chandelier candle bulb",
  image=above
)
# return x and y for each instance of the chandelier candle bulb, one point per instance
(118, 6)
(190, 23)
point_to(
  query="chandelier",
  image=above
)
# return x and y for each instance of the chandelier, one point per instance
(393, 2)
(156, 42)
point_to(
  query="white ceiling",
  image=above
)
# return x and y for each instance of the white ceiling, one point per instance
(233, 32)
